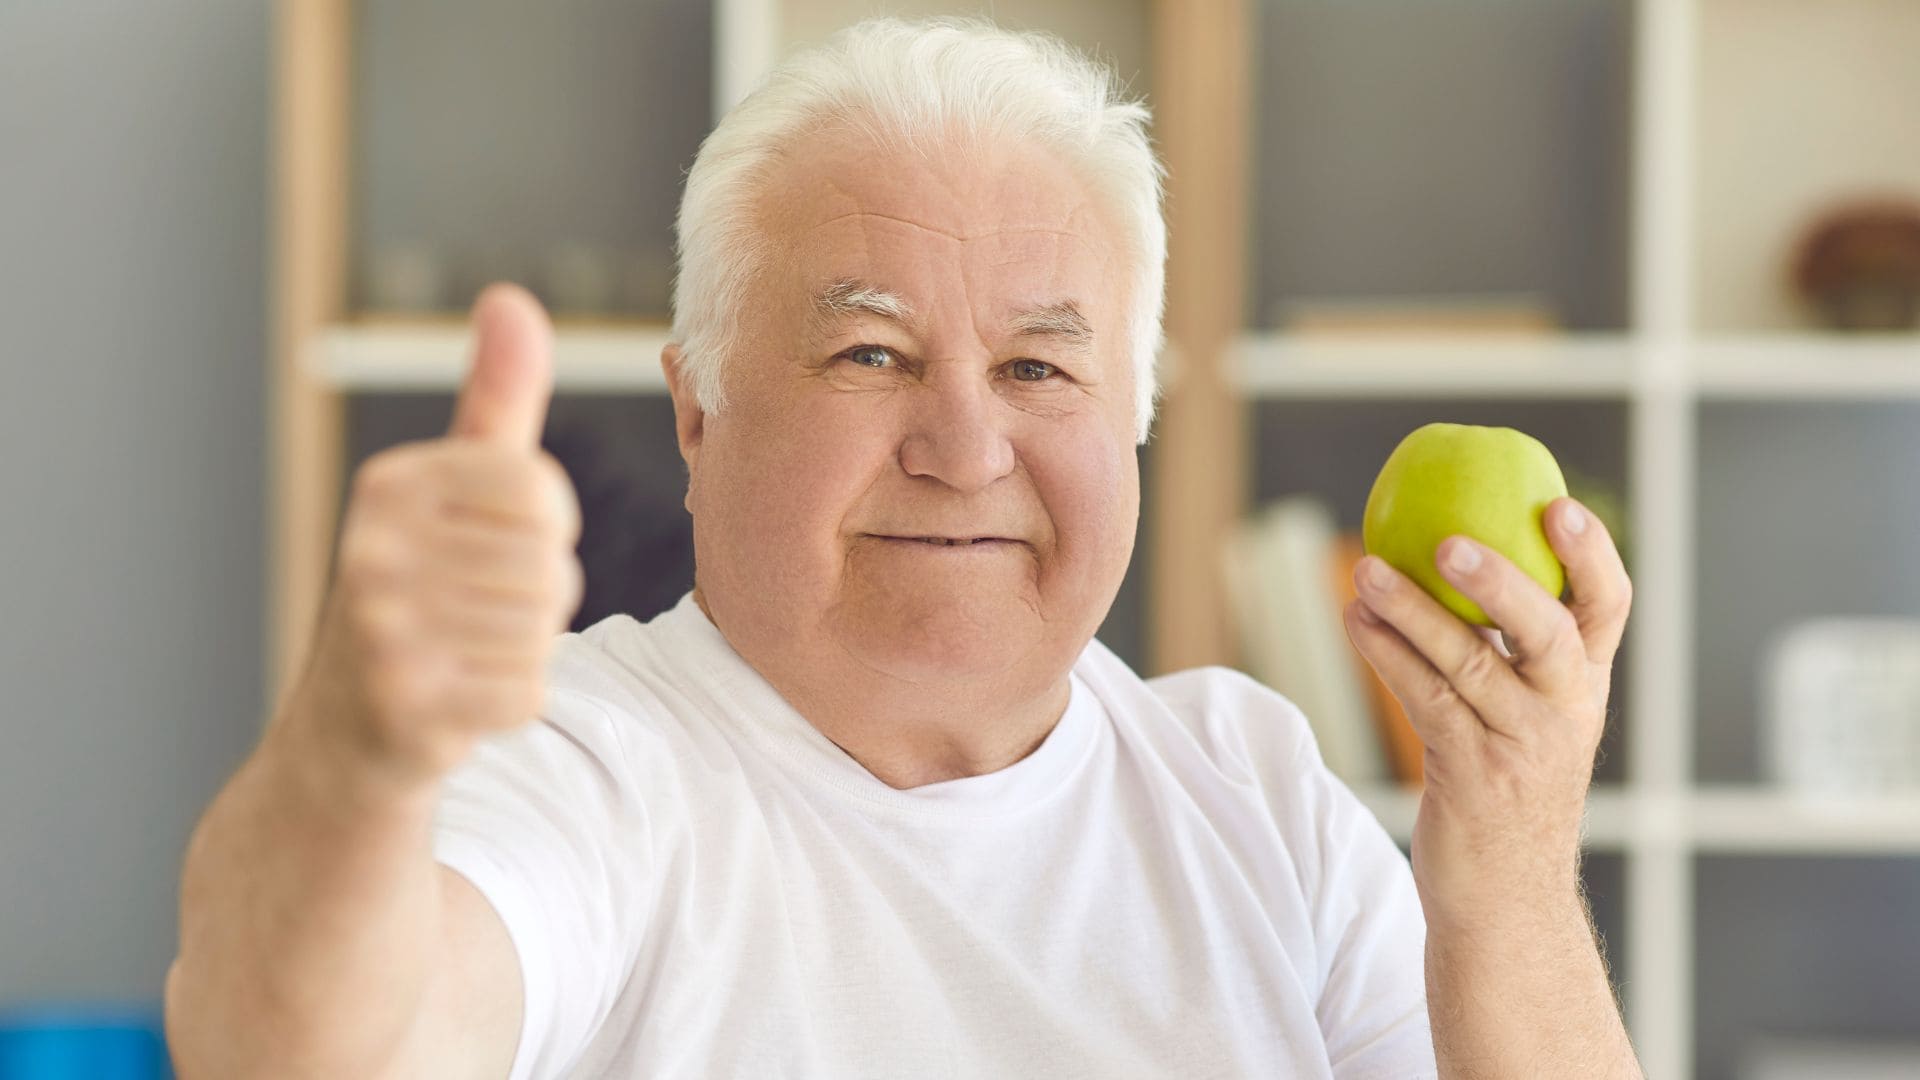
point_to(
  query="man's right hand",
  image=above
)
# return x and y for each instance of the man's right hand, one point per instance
(318, 936)
(455, 573)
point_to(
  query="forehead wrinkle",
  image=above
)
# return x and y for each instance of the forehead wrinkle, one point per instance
(942, 232)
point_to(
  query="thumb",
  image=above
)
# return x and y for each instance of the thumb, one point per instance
(510, 383)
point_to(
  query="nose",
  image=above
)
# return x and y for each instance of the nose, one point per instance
(956, 433)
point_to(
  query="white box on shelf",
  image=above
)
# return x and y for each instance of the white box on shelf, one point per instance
(1842, 707)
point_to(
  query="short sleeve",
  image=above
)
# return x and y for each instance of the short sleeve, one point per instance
(1372, 935)
(1368, 930)
(539, 820)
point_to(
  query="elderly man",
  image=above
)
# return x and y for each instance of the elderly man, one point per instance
(871, 802)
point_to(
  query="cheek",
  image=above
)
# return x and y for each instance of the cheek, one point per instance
(1091, 488)
(791, 474)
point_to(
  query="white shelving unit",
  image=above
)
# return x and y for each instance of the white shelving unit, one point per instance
(433, 356)
(1590, 365)
(1663, 368)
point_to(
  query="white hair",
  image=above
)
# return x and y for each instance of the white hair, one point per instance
(899, 82)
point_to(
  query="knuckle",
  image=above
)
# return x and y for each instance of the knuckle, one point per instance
(1498, 593)
(558, 505)
(387, 476)
(373, 560)
(1442, 696)
(1477, 667)
(523, 489)
(1562, 625)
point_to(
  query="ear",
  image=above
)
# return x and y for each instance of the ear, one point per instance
(689, 421)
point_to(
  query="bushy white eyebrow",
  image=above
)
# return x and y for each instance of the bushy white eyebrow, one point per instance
(849, 297)
(1062, 320)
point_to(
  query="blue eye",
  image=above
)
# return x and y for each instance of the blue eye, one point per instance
(855, 354)
(1032, 370)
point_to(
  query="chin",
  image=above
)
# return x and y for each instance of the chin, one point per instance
(935, 638)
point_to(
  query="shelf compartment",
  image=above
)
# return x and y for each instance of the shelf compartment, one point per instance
(1802, 947)
(544, 144)
(1799, 106)
(1801, 510)
(1453, 149)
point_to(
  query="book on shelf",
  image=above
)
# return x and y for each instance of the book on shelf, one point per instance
(1406, 754)
(1467, 315)
(1284, 570)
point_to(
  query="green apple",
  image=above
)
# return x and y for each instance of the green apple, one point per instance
(1490, 483)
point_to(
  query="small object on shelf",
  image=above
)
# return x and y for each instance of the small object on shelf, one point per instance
(1489, 483)
(1291, 634)
(1406, 754)
(1858, 266)
(1475, 315)
(1842, 707)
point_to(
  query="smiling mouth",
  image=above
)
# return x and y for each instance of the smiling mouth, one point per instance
(946, 541)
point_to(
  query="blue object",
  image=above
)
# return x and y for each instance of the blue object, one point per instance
(83, 1043)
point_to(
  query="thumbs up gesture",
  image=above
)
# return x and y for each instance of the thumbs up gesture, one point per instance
(455, 573)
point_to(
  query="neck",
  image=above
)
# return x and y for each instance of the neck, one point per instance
(909, 734)
(905, 746)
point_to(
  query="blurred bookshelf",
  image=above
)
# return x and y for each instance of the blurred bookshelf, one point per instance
(1609, 188)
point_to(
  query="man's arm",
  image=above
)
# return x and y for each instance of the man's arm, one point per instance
(319, 938)
(1532, 1001)
(1516, 987)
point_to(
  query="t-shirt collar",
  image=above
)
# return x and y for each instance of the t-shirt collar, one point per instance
(761, 715)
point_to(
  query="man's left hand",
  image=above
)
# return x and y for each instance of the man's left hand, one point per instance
(1510, 731)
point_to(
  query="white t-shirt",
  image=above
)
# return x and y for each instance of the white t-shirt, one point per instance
(699, 884)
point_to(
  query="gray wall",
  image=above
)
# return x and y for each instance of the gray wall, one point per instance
(133, 182)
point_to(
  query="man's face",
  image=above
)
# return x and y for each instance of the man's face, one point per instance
(950, 493)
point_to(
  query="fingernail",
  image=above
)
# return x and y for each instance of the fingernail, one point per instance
(1465, 557)
(1573, 520)
(1380, 575)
